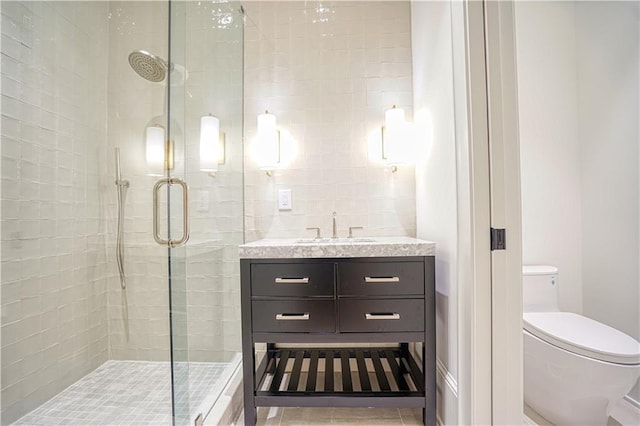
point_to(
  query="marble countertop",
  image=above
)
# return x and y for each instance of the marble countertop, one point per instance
(340, 247)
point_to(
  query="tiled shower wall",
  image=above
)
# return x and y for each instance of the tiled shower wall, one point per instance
(328, 71)
(54, 70)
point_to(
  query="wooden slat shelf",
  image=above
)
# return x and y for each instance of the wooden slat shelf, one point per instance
(371, 372)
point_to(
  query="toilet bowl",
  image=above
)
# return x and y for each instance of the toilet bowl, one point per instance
(575, 369)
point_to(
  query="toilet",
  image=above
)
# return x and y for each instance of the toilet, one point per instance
(575, 369)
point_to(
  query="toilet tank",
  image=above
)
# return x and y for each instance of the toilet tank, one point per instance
(539, 288)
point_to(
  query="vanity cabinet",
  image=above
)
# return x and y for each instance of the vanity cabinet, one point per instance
(367, 324)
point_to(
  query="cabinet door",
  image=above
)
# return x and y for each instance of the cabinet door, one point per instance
(380, 278)
(381, 315)
(292, 279)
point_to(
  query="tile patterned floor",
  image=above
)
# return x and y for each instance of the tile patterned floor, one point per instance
(273, 416)
(125, 393)
(336, 416)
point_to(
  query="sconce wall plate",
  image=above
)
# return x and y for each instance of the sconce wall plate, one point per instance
(168, 156)
(395, 138)
(268, 143)
(210, 147)
(158, 150)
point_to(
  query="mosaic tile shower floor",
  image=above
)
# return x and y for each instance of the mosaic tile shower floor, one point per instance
(125, 393)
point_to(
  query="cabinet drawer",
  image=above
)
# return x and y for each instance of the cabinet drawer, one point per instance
(292, 279)
(380, 278)
(296, 316)
(358, 315)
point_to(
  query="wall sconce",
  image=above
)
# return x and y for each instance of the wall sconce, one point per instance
(159, 150)
(268, 143)
(211, 144)
(395, 138)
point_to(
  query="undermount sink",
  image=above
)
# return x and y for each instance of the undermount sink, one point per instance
(342, 240)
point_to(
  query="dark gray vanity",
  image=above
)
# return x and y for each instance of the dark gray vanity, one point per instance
(346, 301)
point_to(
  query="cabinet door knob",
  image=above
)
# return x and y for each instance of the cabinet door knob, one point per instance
(292, 317)
(382, 316)
(297, 280)
(381, 280)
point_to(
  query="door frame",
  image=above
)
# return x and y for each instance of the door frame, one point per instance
(472, 162)
(504, 169)
(490, 303)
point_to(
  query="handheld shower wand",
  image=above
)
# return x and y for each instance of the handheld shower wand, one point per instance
(121, 188)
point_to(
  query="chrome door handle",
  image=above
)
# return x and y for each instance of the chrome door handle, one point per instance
(382, 316)
(292, 317)
(381, 279)
(304, 280)
(185, 212)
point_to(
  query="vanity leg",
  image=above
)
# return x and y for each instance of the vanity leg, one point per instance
(250, 416)
(248, 346)
(248, 382)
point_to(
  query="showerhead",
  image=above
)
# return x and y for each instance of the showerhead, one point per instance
(148, 66)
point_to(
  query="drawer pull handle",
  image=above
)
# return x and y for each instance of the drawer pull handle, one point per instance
(304, 280)
(382, 316)
(292, 317)
(381, 279)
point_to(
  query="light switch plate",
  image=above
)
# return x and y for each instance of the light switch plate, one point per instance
(284, 199)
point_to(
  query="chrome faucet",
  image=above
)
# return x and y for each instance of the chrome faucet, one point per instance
(351, 228)
(335, 227)
(317, 232)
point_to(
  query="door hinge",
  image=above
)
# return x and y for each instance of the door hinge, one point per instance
(498, 239)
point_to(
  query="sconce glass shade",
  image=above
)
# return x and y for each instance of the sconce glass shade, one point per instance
(155, 142)
(209, 143)
(268, 149)
(396, 137)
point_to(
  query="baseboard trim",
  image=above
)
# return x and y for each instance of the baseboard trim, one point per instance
(447, 394)
(447, 377)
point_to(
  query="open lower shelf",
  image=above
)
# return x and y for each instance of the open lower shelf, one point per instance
(360, 372)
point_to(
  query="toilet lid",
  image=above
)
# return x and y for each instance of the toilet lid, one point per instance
(583, 336)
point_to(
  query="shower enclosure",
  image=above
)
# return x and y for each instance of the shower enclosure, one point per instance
(140, 326)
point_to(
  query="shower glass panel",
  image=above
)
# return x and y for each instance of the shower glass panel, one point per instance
(101, 326)
(206, 53)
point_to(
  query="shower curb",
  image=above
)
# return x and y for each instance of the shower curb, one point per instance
(229, 404)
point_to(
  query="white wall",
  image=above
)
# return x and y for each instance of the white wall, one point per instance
(609, 108)
(549, 143)
(436, 185)
(579, 107)
(608, 46)
(54, 308)
(328, 73)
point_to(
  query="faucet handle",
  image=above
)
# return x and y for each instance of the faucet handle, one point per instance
(317, 232)
(351, 228)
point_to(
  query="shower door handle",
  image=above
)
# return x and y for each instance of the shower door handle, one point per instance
(185, 212)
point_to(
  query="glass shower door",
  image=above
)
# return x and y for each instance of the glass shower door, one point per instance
(203, 193)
